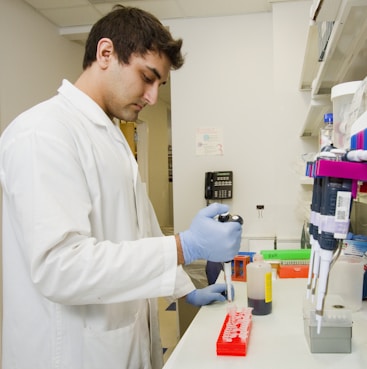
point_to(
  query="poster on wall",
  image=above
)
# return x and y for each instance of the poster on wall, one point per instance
(209, 141)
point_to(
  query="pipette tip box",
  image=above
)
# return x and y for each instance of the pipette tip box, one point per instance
(335, 335)
(235, 333)
(296, 270)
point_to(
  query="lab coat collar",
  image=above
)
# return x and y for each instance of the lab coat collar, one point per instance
(84, 104)
(90, 109)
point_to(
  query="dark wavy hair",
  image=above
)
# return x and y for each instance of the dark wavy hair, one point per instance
(133, 31)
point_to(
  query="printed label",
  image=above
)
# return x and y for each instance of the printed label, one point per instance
(343, 200)
(268, 287)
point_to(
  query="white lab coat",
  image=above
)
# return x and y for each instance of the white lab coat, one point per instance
(84, 258)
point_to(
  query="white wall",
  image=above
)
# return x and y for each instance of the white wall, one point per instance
(242, 75)
(34, 59)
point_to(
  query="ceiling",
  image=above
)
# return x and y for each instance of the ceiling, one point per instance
(74, 18)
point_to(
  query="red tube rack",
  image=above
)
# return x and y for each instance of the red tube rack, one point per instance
(235, 333)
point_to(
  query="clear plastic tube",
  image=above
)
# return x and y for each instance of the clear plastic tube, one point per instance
(228, 278)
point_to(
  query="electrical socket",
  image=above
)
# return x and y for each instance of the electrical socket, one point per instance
(260, 207)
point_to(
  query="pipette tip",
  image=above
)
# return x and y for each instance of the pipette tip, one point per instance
(319, 321)
(229, 293)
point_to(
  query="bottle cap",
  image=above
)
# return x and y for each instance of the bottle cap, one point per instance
(258, 257)
(328, 118)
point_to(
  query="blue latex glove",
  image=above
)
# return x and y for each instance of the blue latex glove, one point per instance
(209, 239)
(207, 295)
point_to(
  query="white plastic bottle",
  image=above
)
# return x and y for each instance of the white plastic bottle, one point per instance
(259, 286)
(326, 132)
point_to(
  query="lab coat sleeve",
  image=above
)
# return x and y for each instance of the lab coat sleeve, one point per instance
(51, 208)
(183, 284)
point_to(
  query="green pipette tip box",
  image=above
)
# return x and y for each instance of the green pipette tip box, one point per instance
(297, 254)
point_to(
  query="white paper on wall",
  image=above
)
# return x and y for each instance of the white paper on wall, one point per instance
(209, 141)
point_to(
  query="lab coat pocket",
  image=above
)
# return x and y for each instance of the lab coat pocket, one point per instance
(114, 349)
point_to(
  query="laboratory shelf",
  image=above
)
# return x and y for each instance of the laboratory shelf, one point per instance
(319, 106)
(306, 181)
(344, 58)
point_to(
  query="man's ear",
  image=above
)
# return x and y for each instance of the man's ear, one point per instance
(104, 52)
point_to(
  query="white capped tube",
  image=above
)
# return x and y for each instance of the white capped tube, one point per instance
(326, 256)
(227, 266)
(357, 155)
(310, 269)
(316, 267)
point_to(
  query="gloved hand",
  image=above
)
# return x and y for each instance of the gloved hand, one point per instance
(209, 239)
(207, 295)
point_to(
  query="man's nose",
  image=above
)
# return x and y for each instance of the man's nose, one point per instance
(151, 94)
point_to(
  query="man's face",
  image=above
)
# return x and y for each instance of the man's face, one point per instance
(130, 87)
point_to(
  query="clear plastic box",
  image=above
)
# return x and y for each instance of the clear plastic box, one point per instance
(336, 328)
(341, 97)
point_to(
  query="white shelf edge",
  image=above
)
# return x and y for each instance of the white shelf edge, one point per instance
(319, 106)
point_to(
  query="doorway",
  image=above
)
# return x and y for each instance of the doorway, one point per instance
(150, 141)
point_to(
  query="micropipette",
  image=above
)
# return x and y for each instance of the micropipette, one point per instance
(227, 266)
(314, 237)
(335, 211)
(339, 185)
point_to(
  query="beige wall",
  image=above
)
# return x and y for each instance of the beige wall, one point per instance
(34, 59)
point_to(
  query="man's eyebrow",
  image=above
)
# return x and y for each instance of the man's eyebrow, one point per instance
(157, 74)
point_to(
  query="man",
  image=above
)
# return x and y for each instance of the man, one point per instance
(84, 258)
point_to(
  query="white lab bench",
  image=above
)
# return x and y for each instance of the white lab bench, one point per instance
(277, 340)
